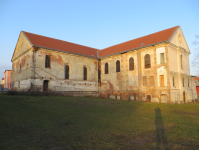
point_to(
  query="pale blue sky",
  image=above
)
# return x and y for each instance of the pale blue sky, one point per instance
(94, 23)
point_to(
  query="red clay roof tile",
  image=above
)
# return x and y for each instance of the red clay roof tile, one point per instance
(55, 44)
(46, 42)
(136, 43)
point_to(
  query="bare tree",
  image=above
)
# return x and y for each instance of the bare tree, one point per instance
(195, 62)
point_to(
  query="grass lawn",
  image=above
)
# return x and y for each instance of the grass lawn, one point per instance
(60, 122)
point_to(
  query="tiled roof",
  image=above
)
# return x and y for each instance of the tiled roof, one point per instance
(55, 44)
(147, 40)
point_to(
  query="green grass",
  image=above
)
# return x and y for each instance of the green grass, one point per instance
(60, 122)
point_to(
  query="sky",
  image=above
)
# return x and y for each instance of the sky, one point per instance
(94, 23)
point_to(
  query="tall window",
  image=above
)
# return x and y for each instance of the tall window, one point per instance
(66, 71)
(144, 81)
(181, 60)
(173, 81)
(47, 61)
(131, 64)
(161, 80)
(106, 68)
(117, 66)
(162, 58)
(183, 82)
(85, 73)
(147, 61)
(151, 79)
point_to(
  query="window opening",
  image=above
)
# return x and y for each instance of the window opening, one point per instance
(131, 64)
(66, 71)
(162, 58)
(144, 81)
(162, 80)
(173, 81)
(151, 81)
(117, 66)
(147, 61)
(106, 68)
(181, 58)
(47, 61)
(85, 73)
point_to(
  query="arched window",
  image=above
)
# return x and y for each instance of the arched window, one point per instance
(106, 68)
(131, 64)
(147, 61)
(85, 73)
(181, 59)
(117, 66)
(66, 71)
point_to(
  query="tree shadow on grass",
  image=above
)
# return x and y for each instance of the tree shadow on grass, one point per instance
(161, 139)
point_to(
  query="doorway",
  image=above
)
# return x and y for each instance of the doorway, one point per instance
(184, 96)
(148, 98)
(45, 85)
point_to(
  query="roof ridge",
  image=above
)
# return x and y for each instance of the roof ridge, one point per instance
(57, 39)
(139, 37)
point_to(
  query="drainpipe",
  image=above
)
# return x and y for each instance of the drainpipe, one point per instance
(138, 75)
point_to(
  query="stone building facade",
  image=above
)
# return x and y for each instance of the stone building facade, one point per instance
(153, 68)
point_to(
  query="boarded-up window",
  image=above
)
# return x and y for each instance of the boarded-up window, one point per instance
(144, 81)
(131, 64)
(162, 58)
(147, 61)
(173, 81)
(106, 68)
(85, 73)
(117, 66)
(47, 61)
(66, 71)
(183, 82)
(151, 79)
(181, 60)
(45, 85)
(162, 80)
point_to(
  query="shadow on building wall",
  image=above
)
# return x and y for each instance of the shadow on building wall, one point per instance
(161, 139)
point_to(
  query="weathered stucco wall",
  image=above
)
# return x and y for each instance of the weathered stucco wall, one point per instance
(56, 73)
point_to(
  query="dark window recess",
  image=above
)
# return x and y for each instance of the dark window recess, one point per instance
(47, 61)
(147, 61)
(115, 96)
(131, 64)
(106, 68)
(66, 72)
(45, 85)
(117, 66)
(85, 73)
